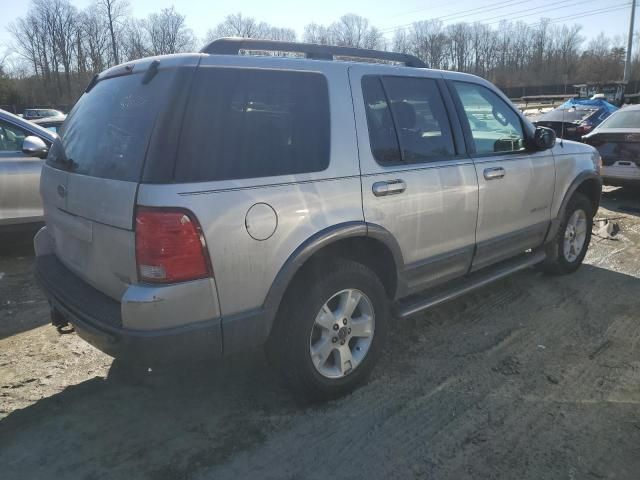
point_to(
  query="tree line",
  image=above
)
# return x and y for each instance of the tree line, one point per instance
(60, 47)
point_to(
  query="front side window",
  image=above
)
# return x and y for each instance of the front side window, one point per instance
(251, 123)
(495, 127)
(11, 137)
(407, 120)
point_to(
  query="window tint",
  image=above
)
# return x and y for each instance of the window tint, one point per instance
(249, 123)
(417, 120)
(107, 132)
(495, 127)
(382, 133)
(11, 137)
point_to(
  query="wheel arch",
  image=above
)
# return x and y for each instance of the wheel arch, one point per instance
(367, 243)
(589, 184)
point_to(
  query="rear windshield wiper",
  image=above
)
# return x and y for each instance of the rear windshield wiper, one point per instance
(151, 72)
(92, 83)
(70, 165)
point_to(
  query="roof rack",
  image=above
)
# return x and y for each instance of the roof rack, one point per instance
(233, 46)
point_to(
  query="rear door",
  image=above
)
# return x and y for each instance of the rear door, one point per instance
(93, 172)
(516, 185)
(417, 181)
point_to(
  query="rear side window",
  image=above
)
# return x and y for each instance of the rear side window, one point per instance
(407, 120)
(107, 132)
(250, 123)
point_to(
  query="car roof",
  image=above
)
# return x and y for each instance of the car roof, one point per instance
(193, 59)
(27, 125)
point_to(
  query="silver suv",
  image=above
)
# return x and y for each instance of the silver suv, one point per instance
(206, 204)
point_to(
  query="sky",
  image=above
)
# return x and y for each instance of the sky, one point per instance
(608, 16)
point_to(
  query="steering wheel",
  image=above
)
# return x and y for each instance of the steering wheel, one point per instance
(500, 117)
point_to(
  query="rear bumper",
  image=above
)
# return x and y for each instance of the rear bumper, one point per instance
(618, 174)
(97, 319)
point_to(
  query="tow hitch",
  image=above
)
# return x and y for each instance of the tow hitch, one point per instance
(59, 321)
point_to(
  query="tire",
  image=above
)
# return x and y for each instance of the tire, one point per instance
(559, 261)
(306, 321)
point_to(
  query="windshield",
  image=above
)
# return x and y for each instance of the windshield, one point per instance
(107, 132)
(623, 119)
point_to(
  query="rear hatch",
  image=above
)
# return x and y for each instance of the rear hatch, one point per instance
(617, 145)
(565, 122)
(90, 181)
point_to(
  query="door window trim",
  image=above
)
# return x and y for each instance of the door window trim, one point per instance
(466, 127)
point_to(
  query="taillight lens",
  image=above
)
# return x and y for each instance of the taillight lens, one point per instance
(170, 246)
(584, 128)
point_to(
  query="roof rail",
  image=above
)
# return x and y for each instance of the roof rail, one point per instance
(233, 46)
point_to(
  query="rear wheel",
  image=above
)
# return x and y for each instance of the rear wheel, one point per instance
(330, 330)
(567, 250)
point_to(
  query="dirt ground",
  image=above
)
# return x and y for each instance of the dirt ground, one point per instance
(533, 377)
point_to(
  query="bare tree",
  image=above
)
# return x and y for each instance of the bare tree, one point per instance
(315, 33)
(168, 33)
(135, 41)
(238, 25)
(56, 48)
(355, 31)
(96, 38)
(115, 11)
(280, 33)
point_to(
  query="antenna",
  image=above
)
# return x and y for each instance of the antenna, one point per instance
(562, 129)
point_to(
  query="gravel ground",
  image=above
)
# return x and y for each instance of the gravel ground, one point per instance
(532, 377)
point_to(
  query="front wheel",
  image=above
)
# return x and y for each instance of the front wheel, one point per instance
(331, 329)
(567, 250)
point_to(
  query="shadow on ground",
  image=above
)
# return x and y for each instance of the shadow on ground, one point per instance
(534, 377)
(623, 200)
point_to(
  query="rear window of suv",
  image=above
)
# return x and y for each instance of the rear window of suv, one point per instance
(107, 132)
(251, 123)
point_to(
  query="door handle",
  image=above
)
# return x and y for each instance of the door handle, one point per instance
(494, 173)
(388, 187)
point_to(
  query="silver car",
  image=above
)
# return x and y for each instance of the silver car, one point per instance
(36, 113)
(206, 204)
(23, 147)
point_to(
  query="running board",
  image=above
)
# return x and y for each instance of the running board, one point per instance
(433, 297)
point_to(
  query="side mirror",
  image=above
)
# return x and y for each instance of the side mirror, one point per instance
(34, 147)
(544, 138)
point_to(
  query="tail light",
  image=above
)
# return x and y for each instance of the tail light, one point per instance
(170, 246)
(584, 128)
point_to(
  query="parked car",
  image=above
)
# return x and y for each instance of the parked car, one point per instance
(576, 117)
(618, 141)
(51, 123)
(188, 223)
(23, 147)
(35, 113)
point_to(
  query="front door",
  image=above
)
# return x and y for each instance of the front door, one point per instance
(19, 178)
(516, 184)
(417, 182)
